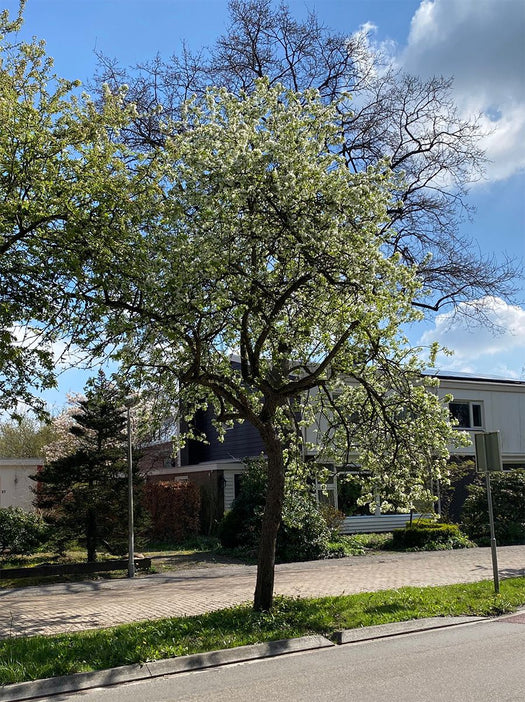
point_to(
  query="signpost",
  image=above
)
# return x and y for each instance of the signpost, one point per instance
(488, 458)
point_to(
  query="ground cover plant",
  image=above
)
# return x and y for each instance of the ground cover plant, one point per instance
(359, 544)
(32, 658)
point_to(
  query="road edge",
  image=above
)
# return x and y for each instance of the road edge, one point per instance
(47, 687)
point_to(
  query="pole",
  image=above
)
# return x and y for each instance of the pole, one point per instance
(131, 532)
(492, 535)
(488, 457)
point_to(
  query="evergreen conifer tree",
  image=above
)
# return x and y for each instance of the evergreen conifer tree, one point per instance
(84, 494)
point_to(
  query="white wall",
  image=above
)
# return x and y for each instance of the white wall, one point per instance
(15, 485)
(503, 410)
(229, 486)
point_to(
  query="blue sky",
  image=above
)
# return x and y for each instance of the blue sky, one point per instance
(480, 42)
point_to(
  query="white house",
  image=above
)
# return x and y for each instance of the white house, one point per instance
(480, 404)
(489, 404)
(15, 484)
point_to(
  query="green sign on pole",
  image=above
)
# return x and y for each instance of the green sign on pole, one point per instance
(488, 452)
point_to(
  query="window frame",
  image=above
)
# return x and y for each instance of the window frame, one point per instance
(471, 404)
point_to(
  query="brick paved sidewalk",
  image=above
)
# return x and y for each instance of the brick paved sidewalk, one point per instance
(50, 609)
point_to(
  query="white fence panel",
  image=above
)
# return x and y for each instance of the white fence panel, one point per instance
(371, 523)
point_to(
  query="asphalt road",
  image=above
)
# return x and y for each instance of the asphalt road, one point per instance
(479, 662)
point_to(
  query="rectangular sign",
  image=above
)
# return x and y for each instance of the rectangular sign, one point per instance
(488, 452)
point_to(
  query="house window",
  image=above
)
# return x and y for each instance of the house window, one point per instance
(467, 414)
(511, 466)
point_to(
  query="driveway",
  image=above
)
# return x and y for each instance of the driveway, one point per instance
(50, 609)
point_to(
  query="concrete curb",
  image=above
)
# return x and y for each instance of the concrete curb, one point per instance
(103, 678)
(381, 631)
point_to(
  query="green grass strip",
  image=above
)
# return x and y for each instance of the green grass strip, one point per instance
(32, 658)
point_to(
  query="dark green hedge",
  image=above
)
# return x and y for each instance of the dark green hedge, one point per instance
(424, 534)
(508, 501)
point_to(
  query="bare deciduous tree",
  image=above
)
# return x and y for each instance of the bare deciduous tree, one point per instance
(411, 121)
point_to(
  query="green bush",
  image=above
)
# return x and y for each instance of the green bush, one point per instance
(345, 545)
(359, 544)
(21, 532)
(303, 535)
(231, 529)
(426, 535)
(241, 525)
(508, 500)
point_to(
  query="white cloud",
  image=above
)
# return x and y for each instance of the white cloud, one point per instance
(65, 354)
(487, 336)
(481, 44)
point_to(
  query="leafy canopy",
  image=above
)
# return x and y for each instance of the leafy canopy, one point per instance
(25, 438)
(65, 186)
(412, 121)
(268, 247)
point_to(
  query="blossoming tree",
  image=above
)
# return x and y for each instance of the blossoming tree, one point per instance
(266, 245)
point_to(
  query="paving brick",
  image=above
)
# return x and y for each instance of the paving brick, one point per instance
(50, 609)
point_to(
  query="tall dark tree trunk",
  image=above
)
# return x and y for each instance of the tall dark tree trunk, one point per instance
(263, 597)
(91, 536)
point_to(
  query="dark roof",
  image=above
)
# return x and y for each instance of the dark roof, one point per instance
(452, 375)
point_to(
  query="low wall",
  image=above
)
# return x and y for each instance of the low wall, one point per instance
(72, 568)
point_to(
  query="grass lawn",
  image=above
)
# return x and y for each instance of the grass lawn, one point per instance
(194, 552)
(31, 658)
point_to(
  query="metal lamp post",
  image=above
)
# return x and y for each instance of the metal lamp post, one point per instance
(129, 402)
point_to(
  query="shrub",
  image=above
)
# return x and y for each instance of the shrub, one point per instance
(303, 535)
(426, 535)
(21, 532)
(232, 528)
(174, 507)
(508, 500)
(358, 544)
(373, 542)
(241, 525)
(333, 518)
(341, 545)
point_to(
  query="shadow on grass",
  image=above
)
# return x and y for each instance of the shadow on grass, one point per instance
(390, 608)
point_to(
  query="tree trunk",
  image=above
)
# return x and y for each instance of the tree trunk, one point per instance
(263, 597)
(91, 536)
